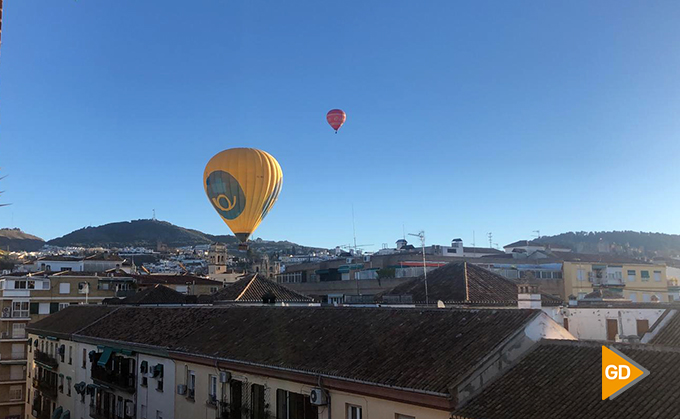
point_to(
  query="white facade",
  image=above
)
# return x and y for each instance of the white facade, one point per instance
(592, 323)
(155, 394)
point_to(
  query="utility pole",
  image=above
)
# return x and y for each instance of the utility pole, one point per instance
(421, 235)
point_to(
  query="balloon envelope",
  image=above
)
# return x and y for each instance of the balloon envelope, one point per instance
(335, 118)
(242, 185)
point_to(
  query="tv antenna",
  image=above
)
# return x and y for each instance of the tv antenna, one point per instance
(490, 236)
(538, 233)
(421, 236)
(154, 214)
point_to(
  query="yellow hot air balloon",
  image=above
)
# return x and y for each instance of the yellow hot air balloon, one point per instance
(242, 185)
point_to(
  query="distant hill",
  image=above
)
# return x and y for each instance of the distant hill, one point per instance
(149, 233)
(633, 243)
(15, 240)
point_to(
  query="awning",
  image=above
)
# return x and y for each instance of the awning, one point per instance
(79, 387)
(106, 355)
(66, 415)
(57, 413)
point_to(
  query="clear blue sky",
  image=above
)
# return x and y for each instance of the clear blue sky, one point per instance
(501, 116)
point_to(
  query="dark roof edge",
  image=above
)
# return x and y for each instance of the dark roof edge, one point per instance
(618, 345)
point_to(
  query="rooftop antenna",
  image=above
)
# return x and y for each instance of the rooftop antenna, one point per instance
(354, 230)
(473, 239)
(421, 235)
(538, 233)
(490, 236)
(154, 214)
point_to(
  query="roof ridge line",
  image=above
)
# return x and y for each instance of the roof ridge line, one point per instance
(246, 288)
(467, 283)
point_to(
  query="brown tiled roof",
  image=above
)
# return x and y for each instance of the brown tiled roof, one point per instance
(158, 294)
(102, 274)
(597, 258)
(174, 280)
(465, 283)
(561, 379)
(669, 335)
(69, 320)
(424, 350)
(252, 288)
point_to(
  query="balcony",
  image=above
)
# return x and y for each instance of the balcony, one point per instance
(604, 279)
(13, 358)
(39, 412)
(47, 388)
(97, 412)
(123, 382)
(8, 336)
(11, 379)
(46, 359)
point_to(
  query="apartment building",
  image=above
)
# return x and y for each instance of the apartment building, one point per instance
(263, 362)
(28, 297)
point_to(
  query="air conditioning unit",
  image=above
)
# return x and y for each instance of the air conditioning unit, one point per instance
(318, 397)
(181, 389)
(225, 377)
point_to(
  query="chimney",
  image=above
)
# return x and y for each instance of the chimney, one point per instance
(528, 296)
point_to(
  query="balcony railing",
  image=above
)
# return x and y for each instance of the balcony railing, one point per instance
(123, 382)
(10, 377)
(46, 388)
(11, 396)
(606, 279)
(40, 413)
(46, 359)
(8, 335)
(13, 356)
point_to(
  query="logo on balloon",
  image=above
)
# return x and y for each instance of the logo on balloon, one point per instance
(225, 194)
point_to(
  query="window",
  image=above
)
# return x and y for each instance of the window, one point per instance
(44, 308)
(64, 288)
(646, 298)
(644, 275)
(19, 285)
(213, 290)
(353, 412)
(642, 327)
(145, 381)
(191, 384)
(61, 383)
(20, 309)
(631, 275)
(68, 386)
(565, 323)
(63, 305)
(657, 276)
(581, 274)
(212, 387)
(84, 365)
(70, 355)
(19, 330)
(294, 406)
(633, 297)
(143, 411)
(235, 398)
(581, 295)
(159, 414)
(257, 402)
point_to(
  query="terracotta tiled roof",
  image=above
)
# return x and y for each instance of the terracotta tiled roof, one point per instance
(464, 282)
(422, 350)
(252, 288)
(69, 320)
(561, 379)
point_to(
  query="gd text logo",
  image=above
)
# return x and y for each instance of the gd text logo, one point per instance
(619, 373)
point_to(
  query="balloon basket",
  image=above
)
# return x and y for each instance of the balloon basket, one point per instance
(243, 246)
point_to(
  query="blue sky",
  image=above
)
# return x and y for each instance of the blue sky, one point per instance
(492, 116)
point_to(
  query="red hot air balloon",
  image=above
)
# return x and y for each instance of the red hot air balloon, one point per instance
(335, 118)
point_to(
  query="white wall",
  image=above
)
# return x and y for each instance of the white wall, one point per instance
(591, 323)
(149, 396)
